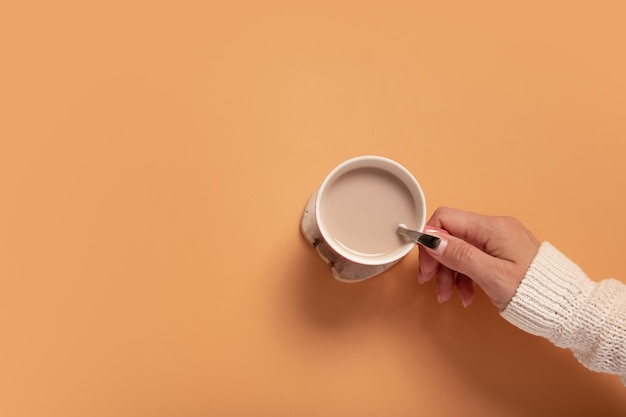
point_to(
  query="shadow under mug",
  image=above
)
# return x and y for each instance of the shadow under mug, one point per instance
(348, 265)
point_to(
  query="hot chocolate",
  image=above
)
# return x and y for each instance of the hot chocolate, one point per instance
(363, 207)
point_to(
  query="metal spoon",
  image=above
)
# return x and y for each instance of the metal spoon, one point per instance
(429, 241)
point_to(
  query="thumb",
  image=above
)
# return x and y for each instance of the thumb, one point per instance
(462, 257)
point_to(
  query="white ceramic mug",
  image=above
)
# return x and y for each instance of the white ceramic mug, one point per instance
(352, 217)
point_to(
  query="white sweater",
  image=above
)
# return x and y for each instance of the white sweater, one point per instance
(558, 301)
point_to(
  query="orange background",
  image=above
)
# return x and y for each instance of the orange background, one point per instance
(155, 159)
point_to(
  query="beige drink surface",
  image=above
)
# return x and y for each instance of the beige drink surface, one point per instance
(362, 209)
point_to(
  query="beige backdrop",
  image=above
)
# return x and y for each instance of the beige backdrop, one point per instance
(155, 158)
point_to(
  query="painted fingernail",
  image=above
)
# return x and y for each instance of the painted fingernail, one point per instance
(443, 244)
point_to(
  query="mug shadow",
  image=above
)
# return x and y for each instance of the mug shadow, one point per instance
(521, 371)
(326, 303)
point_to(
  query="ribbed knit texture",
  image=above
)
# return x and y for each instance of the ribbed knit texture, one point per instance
(556, 300)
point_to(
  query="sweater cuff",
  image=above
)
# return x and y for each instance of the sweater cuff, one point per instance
(552, 290)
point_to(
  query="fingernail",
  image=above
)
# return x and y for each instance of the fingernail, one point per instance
(443, 244)
(466, 300)
(439, 298)
(423, 277)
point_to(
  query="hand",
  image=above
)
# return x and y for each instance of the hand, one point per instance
(493, 252)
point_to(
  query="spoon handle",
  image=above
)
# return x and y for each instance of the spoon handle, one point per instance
(429, 241)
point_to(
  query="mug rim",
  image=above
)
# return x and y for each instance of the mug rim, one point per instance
(392, 167)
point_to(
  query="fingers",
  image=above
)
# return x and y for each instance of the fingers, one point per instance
(428, 266)
(464, 258)
(459, 260)
(465, 286)
(447, 279)
(445, 284)
(471, 227)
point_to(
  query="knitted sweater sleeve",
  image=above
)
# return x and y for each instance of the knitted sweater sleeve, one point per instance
(556, 300)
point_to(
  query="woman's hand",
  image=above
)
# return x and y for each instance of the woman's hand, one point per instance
(493, 252)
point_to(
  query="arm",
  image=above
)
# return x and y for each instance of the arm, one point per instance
(556, 300)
